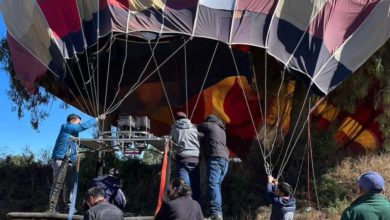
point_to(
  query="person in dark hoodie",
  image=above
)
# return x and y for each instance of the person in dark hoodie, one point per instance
(180, 205)
(213, 143)
(279, 195)
(186, 138)
(111, 185)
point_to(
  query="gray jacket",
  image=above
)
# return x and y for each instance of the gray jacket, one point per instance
(185, 135)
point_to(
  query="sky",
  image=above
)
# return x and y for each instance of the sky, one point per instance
(16, 134)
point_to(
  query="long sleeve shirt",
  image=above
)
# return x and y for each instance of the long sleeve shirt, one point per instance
(63, 142)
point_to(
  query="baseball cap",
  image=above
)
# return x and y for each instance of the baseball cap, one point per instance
(371, 181)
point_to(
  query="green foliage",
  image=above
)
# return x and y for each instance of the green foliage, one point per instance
(330, 192)
(22, 101)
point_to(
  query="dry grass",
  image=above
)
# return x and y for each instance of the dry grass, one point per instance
(350, 168)
(345, 173)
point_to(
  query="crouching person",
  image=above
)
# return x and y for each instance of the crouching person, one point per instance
(99, 209)
(280, 197)
(180, 205)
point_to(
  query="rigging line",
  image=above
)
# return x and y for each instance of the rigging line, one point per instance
(311, 157)
(292, 149)
(255, 84)
(133, 89)
(278, 113)
(85, 48)
(82, 77)
(124, 59)
(163, 86)
(249, 111)
(295, 127)
(139, 78)
(300, 170)
(185, 76)
(265, 100)
(77, 100)
(107, 77)
(97, 59)
(78, 88)
(205, 78)
(311, 110)
(308, 164)
(283, 144)
(135, 86)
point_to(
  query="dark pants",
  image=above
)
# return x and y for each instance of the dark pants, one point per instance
(66, 197)
(190, 173)
(217, 168)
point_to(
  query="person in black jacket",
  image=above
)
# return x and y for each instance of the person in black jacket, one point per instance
(213, 144)
(180, 205)
(100, 209)
(111, 185)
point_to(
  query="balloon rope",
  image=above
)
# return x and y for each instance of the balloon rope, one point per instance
(86, 55)
(266, 167)
(84, 83)
(284, 162)
(78, 89)
(278, 119)
(289, 151)
(312, 162)
(205, 78)
(256, 85)
(162, 84)
(107, 78)
(124, 59)
(146, 78)
(97, 60)
(108, 74)
(185, 77)
(138, 80)
(300, 170)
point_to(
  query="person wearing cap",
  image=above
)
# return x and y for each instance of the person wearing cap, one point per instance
(279, 195)
(64, 146)
(111, 185)
(185, 136)
(371, 203)
(213, 144)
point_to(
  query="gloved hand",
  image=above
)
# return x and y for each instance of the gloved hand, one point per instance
(102, 117)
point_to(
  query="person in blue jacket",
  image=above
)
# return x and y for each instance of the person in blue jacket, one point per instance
(65, 147)
(279, 194)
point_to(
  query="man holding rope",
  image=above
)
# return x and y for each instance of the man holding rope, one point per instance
(61, 152)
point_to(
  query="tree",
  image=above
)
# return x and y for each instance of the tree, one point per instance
(22, 101)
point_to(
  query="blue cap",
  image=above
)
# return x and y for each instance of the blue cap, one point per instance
(371, 181)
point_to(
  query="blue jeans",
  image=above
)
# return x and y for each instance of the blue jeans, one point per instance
(191, 175)
(217, 168)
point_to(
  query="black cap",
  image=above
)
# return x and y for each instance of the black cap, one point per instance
(71, 117)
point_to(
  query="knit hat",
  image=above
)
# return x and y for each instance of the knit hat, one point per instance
(371, 181)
